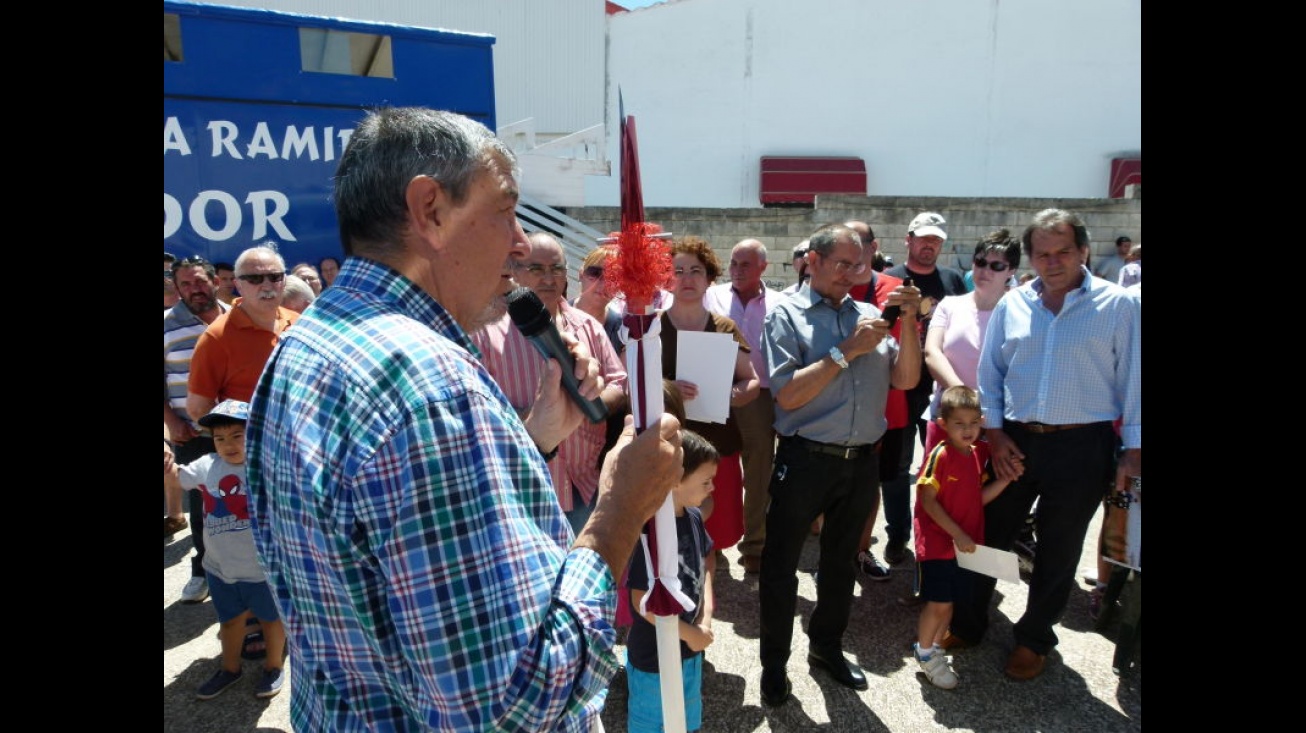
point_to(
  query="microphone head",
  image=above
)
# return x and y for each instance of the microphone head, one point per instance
(527, 311)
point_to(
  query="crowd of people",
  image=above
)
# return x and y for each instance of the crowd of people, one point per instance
(439, 536)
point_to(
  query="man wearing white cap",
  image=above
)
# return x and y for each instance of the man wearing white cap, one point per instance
(925, 239)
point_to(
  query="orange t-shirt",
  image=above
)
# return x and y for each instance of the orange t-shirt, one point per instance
(230, 355)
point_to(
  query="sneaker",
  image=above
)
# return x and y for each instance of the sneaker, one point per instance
(871, 567)
(196, 590)
(895, 553)
(221, 680)
(270, 684)
(937, 670)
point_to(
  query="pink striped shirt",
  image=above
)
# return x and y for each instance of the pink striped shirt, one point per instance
(516, 366)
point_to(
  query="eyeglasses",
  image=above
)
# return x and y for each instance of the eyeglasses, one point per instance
(275, 277)
(844, 267)
(994, 265)
(594, 271)
(694, 271)
(539, 270)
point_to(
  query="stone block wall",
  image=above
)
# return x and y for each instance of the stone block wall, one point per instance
(968, 221)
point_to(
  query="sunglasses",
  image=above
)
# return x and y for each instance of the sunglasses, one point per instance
(594, 271)
(994, 265)
(274, 277)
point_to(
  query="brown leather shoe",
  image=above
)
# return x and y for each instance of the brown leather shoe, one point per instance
(173, 525)
(952, 642)
(751, 563)
(1024, 664)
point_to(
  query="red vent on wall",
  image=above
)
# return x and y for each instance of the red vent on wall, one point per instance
(1125, 172)
(798, 180)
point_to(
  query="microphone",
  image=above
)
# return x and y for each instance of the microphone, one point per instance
(533, 320)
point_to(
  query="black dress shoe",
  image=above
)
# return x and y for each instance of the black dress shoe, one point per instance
(843, 671)
(775, 687)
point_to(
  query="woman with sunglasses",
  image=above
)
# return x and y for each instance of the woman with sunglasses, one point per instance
(952, 343)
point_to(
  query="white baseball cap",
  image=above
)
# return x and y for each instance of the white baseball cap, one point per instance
(927, 223)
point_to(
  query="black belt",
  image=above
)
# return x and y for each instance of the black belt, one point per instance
(1039, 428)
(846, 452)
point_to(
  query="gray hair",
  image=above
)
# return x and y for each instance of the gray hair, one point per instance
(297, 289)
(823, 240)
(266, 248)
(391, 147)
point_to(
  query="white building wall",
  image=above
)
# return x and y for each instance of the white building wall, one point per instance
(548, 54)
(1023, 98)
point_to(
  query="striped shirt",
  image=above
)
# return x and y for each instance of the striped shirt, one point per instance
(1081, 365)
(409, 529)
(517, 366)
(181, 329)
(724, 300)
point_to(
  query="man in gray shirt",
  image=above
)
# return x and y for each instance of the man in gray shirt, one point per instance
(832, 363)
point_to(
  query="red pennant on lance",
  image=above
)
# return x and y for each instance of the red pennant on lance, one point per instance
(642, 265)
(632, 194)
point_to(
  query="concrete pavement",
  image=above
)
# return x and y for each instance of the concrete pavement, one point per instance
(1077, 692)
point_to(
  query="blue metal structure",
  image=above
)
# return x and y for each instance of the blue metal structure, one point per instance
(252, 133)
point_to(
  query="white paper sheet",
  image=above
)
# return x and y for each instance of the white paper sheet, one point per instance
(707, 360)
(992, 562)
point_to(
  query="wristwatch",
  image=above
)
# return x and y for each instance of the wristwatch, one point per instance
(837, 356)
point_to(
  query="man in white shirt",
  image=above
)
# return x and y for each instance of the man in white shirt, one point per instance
(746, 301)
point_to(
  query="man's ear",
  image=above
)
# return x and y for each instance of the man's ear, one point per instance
(429, 206)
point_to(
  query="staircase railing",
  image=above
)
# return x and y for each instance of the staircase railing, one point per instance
(577, 238)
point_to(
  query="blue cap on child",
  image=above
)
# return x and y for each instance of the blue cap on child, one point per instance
(233, 409)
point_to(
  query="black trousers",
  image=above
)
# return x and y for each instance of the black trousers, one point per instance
(184, 453)
(1068, 472)
(804, 485)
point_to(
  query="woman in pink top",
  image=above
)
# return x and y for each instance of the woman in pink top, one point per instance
(952, 344)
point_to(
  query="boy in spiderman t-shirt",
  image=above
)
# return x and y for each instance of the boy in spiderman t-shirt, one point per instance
(237, 585)
(954, 485)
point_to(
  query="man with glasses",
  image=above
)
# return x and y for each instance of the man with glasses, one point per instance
(799, 263)
(230, 354)
(925, 240)
(229, 357)
(832, 364)
(746, 300)
(182, 326)
(517, 367)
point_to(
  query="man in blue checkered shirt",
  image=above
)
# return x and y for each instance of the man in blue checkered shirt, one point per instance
(402, 510)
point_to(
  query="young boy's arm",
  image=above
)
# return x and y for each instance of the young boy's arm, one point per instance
(928, 497)
(696, 637)
(706, 608)
(994, 488)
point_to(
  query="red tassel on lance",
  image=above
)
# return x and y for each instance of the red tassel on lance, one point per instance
(641, 267)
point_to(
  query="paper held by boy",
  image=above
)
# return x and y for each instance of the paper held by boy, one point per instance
(992, 562)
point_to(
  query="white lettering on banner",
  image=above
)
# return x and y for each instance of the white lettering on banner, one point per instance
(174, 138)
(296, 143)
(267, 208)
